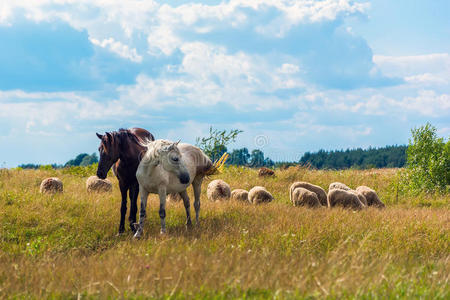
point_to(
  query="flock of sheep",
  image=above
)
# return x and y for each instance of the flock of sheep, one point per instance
(300, 193)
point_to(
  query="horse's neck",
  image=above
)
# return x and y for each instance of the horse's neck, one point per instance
(128, 153)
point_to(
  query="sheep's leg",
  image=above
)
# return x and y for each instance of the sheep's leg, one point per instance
(187, 206)
(134, 189)
(162, 208)
(123, 207)
(197, 185)
(142, 213)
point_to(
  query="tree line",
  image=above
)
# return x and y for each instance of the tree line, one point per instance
(384, 157)
(82, 159)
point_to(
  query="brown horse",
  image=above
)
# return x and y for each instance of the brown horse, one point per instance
(122, 151)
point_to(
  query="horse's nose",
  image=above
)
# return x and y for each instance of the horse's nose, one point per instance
(101, 174)
(184, 178)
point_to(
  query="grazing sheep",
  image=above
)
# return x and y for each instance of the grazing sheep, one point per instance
(371, 196)
(259, 194)
(51, 185)
(339, 186)
(263, 172)
(95, 184)
(174, 197)
(218, 190)
(346, 199)
(360, 197)
(320, 192)
(239, 195)
(304, 197)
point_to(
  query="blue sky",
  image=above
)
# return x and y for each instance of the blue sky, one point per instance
(296, 76)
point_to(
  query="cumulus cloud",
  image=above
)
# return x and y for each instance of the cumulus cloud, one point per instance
(208, 76)
(309, 31)
(118, 48)
(425, 70)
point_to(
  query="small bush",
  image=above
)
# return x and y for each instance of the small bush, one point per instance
(428, 165)
(81, 171)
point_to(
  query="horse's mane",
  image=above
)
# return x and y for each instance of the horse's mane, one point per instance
(125, 135)
(153, 148)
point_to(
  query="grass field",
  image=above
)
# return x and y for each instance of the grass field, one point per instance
(65, 246)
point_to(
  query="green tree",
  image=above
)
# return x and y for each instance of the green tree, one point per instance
(216, 143)
(257, 158)
(89, 160)
(428, 160)
(77, 160)
(239, 157)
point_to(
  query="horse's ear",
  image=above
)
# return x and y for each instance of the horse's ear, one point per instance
(109, 136)
(99, 135)
(176, 144)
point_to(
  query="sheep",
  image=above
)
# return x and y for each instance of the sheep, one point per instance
(174, 197)
(239, 195)
(304, 197)
(341, 186)
(346, 199)
(371, 196)
(218, 190)
(95, 184)
(360, 196)
(51, 185)
(265, 172)
(338, 185)
(259, 194)
(320, 192)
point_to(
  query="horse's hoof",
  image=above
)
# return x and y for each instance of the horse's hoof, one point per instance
(133, 228)
(162, 232)
(188, 223)
(120, 233)
(137, 235)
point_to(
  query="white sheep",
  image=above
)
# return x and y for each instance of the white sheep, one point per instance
(218, 190)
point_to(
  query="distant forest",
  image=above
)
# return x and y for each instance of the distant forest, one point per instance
(82, 159)
(386, 157)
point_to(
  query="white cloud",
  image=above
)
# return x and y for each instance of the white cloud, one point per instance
(428, 103)
(51, 112)
(161, 22)
(418, 65)
(288, 69)
(118, 48)
(208, 76)
(427, 79)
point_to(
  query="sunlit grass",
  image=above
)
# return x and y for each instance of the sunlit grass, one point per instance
(66, 245)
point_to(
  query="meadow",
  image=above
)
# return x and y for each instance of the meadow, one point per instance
(65, 246)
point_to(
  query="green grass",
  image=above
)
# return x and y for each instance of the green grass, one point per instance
(65, 246)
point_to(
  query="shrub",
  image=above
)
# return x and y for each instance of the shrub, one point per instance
(428, 163)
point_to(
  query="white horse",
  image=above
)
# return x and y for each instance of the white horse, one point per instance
(167, 168)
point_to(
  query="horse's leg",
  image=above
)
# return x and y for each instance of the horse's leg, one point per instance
(162, 208)
(142, 213)
(197, 185)
(123, 207)
(134, 190)
(187, 206)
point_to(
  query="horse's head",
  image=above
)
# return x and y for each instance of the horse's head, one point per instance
(169, 156)
(109, 153)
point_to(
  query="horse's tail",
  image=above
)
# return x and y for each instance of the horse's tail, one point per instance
(218, 165)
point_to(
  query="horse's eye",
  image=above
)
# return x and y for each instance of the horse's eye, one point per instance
(175, 159)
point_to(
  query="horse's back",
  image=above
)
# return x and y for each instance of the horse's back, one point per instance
(195, 159)
(142, 133)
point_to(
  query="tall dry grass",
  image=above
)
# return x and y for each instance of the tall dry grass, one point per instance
(65, 246)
